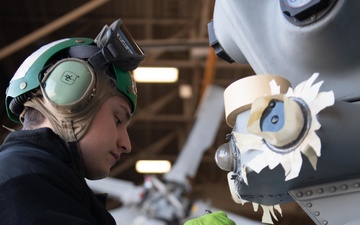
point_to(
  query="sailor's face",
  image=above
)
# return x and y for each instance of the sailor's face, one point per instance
(107, 138)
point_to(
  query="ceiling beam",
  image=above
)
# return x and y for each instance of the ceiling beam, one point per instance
(50, 27)
(189, 64)
(209, 72)
(173, 43)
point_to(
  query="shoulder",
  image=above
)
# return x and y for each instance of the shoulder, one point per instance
(33, 180)
(20, 160)
(30, 170)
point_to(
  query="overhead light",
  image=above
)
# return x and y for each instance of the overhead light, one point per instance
(152, 166)
(185, 91)
(156, 74)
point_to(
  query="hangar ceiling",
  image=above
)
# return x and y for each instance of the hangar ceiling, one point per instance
(172, 33)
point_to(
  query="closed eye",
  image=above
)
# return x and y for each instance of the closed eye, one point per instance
(117, 121)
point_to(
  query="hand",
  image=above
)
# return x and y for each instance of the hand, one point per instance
(216, 218)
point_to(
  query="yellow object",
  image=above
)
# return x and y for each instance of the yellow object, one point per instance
(216, 218)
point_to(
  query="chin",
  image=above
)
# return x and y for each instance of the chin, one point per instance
(97, 176)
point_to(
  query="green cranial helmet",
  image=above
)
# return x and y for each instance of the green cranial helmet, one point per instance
(66, 70)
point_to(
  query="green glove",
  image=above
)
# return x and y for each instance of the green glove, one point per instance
(216, 218)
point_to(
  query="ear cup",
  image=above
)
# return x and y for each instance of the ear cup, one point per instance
(68, 82)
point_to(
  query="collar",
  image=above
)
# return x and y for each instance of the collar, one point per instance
(45, 139)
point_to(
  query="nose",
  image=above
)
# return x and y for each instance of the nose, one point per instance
(124, 143)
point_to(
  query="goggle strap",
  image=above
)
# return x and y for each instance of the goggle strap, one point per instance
(98, 60)
(92, 53)
(83, 51)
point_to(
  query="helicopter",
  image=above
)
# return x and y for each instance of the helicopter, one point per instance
(295, 122)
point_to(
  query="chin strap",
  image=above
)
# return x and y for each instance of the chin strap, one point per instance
(73, 147)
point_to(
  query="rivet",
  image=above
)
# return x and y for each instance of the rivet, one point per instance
(309, 205)
(325, 222)
(320, 190)
(308, 193)
(272, 104)
(332, 189)
(128, 89)
(299, 194)
(317, 213)
(356, 185)
(275, 119)
(344, 187)
(23, 85)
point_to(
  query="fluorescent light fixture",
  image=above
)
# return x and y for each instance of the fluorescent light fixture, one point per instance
(153, 166)
(156, 74)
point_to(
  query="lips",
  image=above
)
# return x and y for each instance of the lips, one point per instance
(116, 156)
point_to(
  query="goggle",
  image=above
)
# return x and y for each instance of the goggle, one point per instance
(117, 46)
